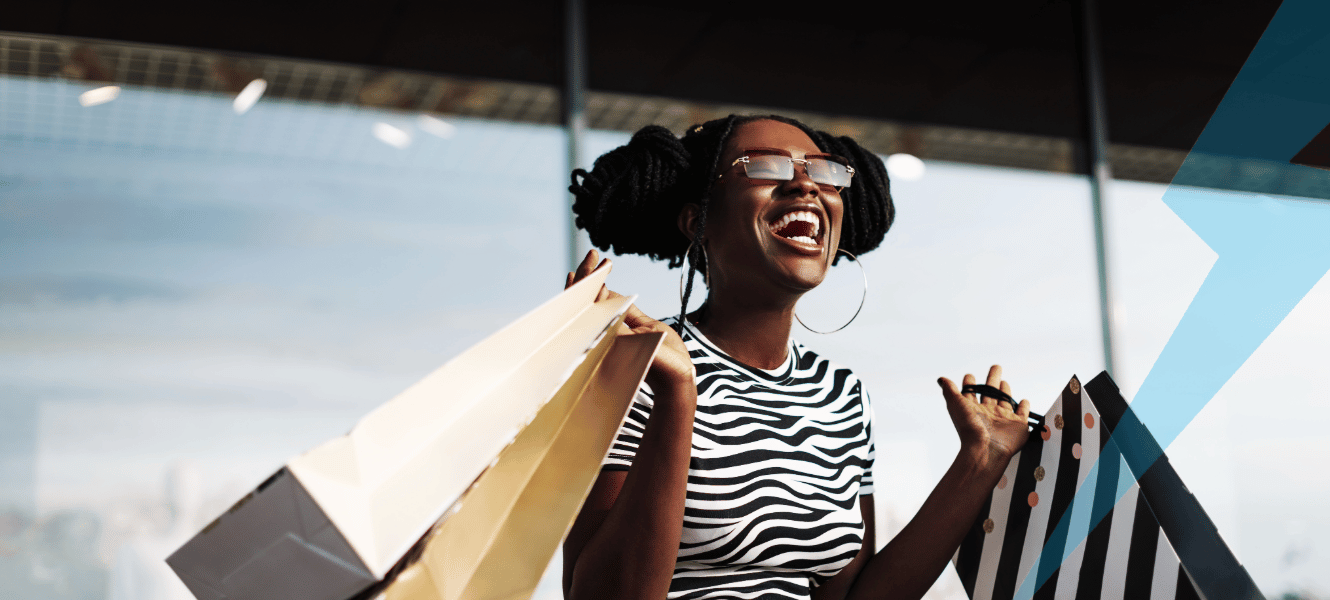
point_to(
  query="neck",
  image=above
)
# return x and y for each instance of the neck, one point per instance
(756, 334)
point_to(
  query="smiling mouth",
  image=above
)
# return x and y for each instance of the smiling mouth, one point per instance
(799, 226)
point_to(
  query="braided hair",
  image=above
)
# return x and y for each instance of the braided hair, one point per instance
(630, 199)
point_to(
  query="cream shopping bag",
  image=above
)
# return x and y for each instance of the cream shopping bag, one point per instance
(339, 518)
(508, 526)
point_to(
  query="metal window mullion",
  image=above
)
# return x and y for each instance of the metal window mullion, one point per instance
(430, 101)
(574, 108)
(296, 82)
(181, 75)
(323, 85)
(1087, 28)
(154, 65)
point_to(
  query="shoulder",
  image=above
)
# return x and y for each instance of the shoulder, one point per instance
(807, 360)
(840, 380)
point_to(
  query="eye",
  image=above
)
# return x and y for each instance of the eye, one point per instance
(777, 168)
(829, 171)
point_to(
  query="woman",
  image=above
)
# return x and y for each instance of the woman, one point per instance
(744, 468)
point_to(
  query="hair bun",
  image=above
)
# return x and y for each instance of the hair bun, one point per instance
(619, 201)
(656, 138)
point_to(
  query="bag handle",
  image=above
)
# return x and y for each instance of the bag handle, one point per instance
(1036, 420)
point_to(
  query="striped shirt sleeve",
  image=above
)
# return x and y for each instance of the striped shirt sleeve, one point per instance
(630, 433)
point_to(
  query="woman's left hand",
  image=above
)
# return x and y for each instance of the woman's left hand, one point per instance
(990, 430)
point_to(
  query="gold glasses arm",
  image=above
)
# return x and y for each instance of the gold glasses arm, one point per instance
(741, 159)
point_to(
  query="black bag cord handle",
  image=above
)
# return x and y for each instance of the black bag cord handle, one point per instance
(1036, 420)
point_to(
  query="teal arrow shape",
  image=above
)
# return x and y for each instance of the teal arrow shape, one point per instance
(1271, 250)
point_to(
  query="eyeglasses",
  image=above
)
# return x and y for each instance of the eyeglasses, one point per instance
(824, 169)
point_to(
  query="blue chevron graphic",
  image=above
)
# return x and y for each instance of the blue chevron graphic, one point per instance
(1272, 247)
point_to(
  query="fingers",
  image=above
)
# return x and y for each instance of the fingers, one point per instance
(1006, 407)
(645, 329)
(994, 408)
(995, 380)
(583, 269)
(969, 380)
(591, 263)
(587, 263)
(949, 389)
(635, 318)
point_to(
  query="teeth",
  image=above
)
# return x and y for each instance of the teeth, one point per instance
(802, 215)
(804, 239)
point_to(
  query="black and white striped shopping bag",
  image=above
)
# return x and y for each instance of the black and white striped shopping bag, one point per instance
(1153, 543)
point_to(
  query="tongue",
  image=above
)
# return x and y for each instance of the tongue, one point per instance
(796, 229)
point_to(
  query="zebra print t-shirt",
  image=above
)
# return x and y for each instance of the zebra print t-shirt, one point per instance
(780, 458)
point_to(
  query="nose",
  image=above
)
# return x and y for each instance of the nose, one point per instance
(802, 184)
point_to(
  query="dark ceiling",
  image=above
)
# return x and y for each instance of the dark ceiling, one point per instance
(1009, 65)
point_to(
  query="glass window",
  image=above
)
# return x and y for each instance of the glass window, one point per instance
(188, 297)
(1252, 456)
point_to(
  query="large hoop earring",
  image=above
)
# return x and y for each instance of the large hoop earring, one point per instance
(687, 266)
(862, 298)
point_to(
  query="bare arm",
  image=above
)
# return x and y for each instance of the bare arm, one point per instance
(912, 561)
(990, 434)
(625, 540)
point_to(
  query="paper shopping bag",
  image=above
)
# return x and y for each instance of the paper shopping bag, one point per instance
(339, 518)
(1154, 542)
(506, 529)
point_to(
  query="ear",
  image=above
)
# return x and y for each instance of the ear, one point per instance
(688, 219)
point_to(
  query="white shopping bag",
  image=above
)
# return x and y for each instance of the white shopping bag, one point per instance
(336, 520)
(1154, 542)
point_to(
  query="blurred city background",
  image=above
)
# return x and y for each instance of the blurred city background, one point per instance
(218, 252)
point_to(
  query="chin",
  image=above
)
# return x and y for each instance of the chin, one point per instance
(803, 276)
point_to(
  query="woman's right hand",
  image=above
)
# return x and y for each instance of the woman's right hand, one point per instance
(672, 365)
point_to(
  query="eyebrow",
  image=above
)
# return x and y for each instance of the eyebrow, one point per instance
(772, 150)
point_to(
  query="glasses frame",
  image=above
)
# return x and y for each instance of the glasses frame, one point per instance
(744, 159)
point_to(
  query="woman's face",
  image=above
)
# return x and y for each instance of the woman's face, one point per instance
(770, 236)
